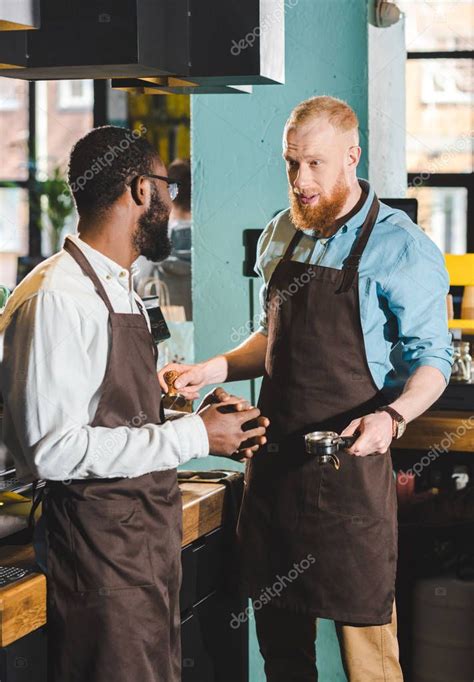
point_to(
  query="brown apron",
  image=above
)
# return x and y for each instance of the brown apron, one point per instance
(314, 539)
(114, 563)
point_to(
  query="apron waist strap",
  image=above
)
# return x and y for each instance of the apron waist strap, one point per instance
(37, 497)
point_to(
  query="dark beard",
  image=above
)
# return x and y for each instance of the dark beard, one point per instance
(151, 237)
(322, 217)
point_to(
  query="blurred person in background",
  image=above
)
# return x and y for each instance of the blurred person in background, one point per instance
(180, 216)
(171, 278)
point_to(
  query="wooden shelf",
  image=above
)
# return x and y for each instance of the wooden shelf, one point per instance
(443, 429)
(468, 325)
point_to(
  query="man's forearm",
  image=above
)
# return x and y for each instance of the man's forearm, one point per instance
(247, 361)
(421, 390)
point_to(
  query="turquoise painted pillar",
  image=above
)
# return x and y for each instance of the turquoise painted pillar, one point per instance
(239, 182)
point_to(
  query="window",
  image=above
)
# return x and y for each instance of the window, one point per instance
(13, 220)
(13, 129)
(440, 72)
(446, 81)
(14, 174)
(438, 25)
(442, 211)
(59, 127)
(11, 94)
(13, 232)
(77, 94)
(439, 115)
(39, 122)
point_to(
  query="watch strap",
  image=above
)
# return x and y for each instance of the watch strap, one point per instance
(396, 416)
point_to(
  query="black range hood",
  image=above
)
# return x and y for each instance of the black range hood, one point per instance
(93, 39)
(12, 52)
(18, 15)
(175, 86)
(206, 42)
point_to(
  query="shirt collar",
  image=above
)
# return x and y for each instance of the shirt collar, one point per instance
(358, 219)
(105, 267)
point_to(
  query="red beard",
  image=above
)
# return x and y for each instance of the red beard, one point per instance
(320, 218)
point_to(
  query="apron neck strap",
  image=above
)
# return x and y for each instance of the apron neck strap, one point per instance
(292, 245)
(351, 264)
(88, 270)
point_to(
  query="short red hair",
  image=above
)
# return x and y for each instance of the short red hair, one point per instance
(337, 112)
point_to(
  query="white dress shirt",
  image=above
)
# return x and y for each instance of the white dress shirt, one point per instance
(56, 338)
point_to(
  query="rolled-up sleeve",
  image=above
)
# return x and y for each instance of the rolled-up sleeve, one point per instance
(262, 319)
(416, 291)
(263, 268)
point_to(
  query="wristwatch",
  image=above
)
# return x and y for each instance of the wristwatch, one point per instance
(399, 424)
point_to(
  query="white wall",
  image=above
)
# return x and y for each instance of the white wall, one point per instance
(387, 128)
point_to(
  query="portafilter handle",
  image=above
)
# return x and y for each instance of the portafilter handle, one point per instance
(348, 441)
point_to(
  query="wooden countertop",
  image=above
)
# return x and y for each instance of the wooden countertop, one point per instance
(23, 603)
(443, 429)
(203, 505)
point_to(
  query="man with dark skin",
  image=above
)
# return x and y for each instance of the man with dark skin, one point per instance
(83, 412)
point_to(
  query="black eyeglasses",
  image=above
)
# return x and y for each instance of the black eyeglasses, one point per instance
(173, 185)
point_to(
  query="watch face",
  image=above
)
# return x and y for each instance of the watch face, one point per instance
(401, 426)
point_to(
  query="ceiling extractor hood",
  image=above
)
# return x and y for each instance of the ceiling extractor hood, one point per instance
(16, 15)
(205, 43)
(12, 51)
(19, 14)
(169, 86)
(94, 39)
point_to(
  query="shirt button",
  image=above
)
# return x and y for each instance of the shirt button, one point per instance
(108, 276)
(122, 273)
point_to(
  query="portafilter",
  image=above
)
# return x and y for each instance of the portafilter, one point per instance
(325, 444)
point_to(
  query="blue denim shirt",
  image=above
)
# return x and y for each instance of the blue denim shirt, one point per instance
(403, 285)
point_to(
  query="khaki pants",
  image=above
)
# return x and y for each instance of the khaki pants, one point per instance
(370, 654)
(286, 639)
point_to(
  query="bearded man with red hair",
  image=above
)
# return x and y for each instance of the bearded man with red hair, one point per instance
(353, 340)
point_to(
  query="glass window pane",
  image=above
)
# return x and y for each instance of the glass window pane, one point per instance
(438, 25)
(64, 114)
(13, 129)
(13, 232)
(439, 115)
(442, 213)
(75, 94)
